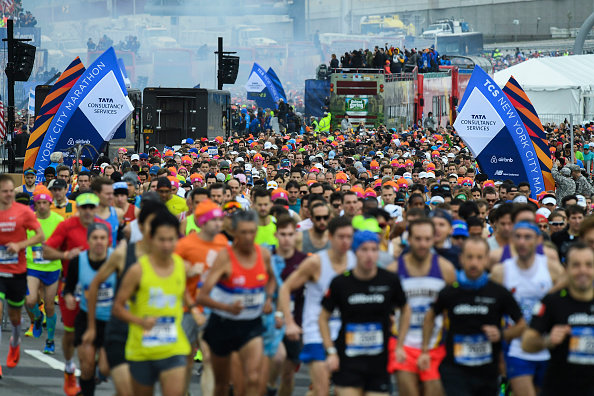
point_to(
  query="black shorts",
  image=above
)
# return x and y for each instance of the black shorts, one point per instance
(457, 381)
(80, 326)
(13, 288)
(370, 382)
(224, 336)
(116, 333)
(293, 349)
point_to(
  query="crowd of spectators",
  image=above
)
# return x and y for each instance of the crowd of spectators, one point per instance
(16, 12)
(502, 61)
(392, 59)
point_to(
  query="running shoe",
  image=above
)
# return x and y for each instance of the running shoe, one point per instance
(38, 326)
(49, 347)
(71, 387)
(29, 333)
(14, 355)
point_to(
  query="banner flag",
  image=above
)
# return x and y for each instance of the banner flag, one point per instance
(277, 83)
(50, 106)
(124, 73)
(261, 89)
(527, 112)
(495, 134)
(92, 111)
(31, 106)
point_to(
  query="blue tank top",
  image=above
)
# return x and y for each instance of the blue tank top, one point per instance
(106, 293)
(27, 191)
(114, 223)
(434, 271)
(507, 252)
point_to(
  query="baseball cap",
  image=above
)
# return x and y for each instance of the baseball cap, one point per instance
(210, 175)
(541, 219)
(520, 199)
(224, 165)
(395, 211)
(565, 171)
(154, 169)
(87, 199)
(57, 183)
(267, 145)
(442, 214)
(120, 187)
(143, 156)
(190, 141)
(581, 201)
(436, 200)
(459, 228)
(221, 177)
(134, 157)
(549, 201)
(272, 185)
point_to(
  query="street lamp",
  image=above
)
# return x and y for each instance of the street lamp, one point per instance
(537, 23)
(517, 23)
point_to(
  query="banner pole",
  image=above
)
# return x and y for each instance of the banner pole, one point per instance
(571, 135)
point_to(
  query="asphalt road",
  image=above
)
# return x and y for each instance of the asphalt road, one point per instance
(43, 375)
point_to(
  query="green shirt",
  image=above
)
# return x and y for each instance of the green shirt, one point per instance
(191, 224)
(265, 235)
(34, 253)
(176, 205)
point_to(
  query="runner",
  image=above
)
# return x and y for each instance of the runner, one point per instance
(29, 175)
(316, 238)
(564, 322)
(242, 283)
(103, 187)
(266, 228)
(286, 234)
(40, 271)
(156, 348)
(61, 205)
(316, 273)
(67, 241)
(16, 220)
(529, 277)
(116, 331)
(475, 307)
(365, 297)
(423, 275)
(81, 271)
(200, 250)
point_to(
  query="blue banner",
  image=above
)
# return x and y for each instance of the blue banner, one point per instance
(261, 89)
(277, 83)
(92, 111)
(495, 134)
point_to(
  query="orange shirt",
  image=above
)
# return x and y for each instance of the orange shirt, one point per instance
(201, 255)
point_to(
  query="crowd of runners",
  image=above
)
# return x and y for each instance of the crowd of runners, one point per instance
(381, 262)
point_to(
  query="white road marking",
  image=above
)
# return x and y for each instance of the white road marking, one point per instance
(50, 361)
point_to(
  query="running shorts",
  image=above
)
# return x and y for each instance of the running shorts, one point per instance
(14, 289)
(410, 364)
(224, 336)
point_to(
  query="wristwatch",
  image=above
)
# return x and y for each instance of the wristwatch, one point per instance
(331, 351)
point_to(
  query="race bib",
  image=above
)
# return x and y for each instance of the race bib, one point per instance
(581, 346)
(37, 252)
(418, 316)
(7, 258)
(364, 339)
(163, 332)
(251, 300)
(105, 295)
(472, 350)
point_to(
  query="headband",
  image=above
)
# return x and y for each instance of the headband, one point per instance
(41, 196)
(527, 226)
(217, 212)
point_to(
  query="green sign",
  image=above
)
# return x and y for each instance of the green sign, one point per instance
(356, 104)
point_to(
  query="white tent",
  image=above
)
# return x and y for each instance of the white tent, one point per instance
(562, 85)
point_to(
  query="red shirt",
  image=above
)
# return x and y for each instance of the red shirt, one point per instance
(71, 234)
(14, 223)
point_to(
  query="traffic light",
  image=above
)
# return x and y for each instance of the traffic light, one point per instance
(228, 69)
(23, 58)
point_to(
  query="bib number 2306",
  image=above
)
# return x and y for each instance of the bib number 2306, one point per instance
(163, 332)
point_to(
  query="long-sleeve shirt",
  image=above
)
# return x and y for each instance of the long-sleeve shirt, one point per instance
(565, 185)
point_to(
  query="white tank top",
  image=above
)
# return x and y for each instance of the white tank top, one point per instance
(312, 304)
(528, 287)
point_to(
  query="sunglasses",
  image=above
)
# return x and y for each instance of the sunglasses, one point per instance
(336, 206)
(557, 223)
(87, 207)
(302, 192)
(318, 218)
(382, 225)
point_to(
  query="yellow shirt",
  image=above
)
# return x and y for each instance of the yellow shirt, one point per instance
(159, 297)
(176, 205)
(66, 211)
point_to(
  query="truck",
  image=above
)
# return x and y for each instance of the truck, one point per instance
(170, 115)
(445, 27)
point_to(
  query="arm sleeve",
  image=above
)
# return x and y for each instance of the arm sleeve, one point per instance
(331, 299)
(72, 277)
(542, 320)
